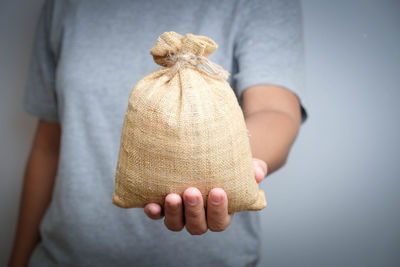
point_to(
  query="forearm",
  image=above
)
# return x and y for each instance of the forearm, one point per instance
(273, 118)
(36, 194)
(271, 135)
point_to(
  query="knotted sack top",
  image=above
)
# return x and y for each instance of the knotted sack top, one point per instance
(175, 51)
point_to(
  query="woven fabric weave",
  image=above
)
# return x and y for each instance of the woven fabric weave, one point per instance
(184, 127)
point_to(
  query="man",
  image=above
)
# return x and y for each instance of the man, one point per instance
(87, 56)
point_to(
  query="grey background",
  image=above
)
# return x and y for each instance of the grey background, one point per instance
(335, 203)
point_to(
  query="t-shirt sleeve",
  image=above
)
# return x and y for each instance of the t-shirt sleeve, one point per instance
(40, 97)
(269, 47)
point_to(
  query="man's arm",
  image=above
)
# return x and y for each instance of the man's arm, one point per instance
(273, 118)
(38, 184)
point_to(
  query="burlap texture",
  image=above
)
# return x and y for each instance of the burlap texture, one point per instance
(184, 127)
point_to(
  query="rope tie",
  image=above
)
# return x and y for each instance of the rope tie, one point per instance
(189, 60)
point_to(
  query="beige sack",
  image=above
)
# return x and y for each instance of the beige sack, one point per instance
(184, 127)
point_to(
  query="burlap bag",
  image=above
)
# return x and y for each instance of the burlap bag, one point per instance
(184, 127)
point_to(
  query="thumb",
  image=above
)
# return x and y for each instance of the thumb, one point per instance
(260, 169)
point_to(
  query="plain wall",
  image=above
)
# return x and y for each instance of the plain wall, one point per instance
(335, 203)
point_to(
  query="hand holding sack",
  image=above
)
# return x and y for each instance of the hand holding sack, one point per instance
(184, 127)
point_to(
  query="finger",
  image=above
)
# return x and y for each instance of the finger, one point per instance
(195, 218)
(173, 210)
(218, 218)
(260, 169)
(153, 211)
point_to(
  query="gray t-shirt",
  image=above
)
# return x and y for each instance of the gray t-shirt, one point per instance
(86, 58)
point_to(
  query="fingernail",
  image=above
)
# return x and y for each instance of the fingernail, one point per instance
(153, 210)
(259, 172)
(216, 199)
(173, 201)
(191, 200)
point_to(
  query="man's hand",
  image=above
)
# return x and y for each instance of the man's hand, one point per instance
(191, 213)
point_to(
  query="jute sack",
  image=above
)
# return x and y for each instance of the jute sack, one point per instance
(184, 127)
